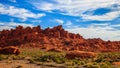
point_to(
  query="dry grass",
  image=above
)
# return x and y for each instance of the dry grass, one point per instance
(36, 58)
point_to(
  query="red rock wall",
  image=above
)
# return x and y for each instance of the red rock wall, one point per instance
(54, 37)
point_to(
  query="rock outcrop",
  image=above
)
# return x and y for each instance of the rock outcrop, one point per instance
(55, 37)
(9, 50)
(80, 54)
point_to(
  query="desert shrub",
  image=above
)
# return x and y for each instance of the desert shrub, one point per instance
(108, 57)
(40, 63)
(105, 65)
(69, 63)
(81, 63)
(45, 58)
(59, 59)
(9, 61)
(31, 61)
(91, 65)
(2, 57)
(50, 65)
(18, 66)
(51, 57)
(100, 59)
(31, 52)
(19, 57)
(76, 61)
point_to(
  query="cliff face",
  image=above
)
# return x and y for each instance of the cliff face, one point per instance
(54, 38)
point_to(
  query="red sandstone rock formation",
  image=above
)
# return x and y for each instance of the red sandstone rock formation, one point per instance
(54, 50)
(54, 37)
(80, 54)
(116, 63)
(9, 50)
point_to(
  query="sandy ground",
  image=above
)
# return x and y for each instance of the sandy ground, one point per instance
(25, 64)
(19, 64)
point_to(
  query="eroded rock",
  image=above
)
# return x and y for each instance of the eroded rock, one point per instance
(80, 54)
(9, 50)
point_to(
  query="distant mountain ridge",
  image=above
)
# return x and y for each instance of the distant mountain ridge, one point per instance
(55, 37)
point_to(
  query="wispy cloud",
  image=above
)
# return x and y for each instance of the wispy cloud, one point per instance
(59, 21)
(78, 7)
(5, 27)
(18, 12)
(44, 5)
(106, 17)
(16, 24)
(107, 32)
(117, 25)
(1, 23)
(68, 23)
(9, 25)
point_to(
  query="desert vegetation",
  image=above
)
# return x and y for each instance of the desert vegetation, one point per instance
(52, 59)
(56, 48)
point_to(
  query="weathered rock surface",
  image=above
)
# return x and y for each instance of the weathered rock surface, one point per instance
(55, 37)
(80, 54)
(9, 50)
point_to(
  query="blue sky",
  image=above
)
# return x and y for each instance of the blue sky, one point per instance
(90, 18)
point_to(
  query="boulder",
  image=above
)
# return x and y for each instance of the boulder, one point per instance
(9, 50)
(116, 63)
(54, 50)
(80, 54)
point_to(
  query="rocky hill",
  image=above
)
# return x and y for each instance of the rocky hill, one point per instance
(55, 38)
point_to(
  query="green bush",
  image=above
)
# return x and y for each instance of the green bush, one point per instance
(105, 65)
(69, 63)
(81, 63)
(2, 57)
(90, 65)
(31, 61)
(108, 57)
(51, 57)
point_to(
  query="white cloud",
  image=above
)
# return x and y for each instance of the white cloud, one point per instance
(117, 25)
(10, 25)
(105, 17)
(59, 21)
(5, 27)
(18, 12)
(107, 32)
(44, 5)
(16, 24)
(102, 24)
(68, 23)
(78, 7)
(1, 23)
